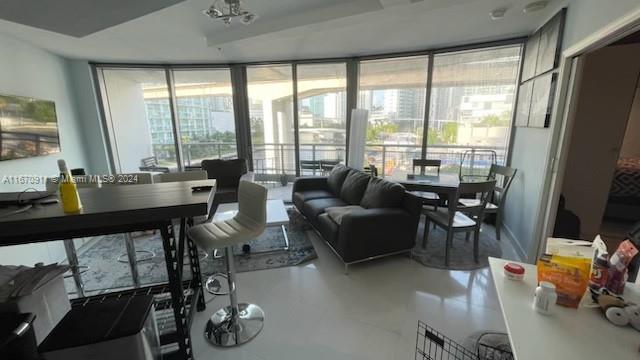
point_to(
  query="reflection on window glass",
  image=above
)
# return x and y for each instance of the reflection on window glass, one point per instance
(139, 117)
(393, 90)
(205, 115)
(270, 91)
(322, 109)
(471, 106)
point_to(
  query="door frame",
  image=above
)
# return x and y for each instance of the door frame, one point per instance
(563, 118)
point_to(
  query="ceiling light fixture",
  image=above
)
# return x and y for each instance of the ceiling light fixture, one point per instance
(535, 6)
(226, 10)
(498, 13)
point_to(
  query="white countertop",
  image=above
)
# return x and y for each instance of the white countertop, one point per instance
(568, 334)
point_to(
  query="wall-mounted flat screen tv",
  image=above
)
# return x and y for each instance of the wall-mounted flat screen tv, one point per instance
(28, 127)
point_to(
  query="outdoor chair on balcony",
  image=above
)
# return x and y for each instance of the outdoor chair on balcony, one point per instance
(475, 164)
(311, 165)
(150, 164)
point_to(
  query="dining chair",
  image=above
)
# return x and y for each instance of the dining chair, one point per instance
(431, 200)
(426, 163)
(504, 177)
(457, 218)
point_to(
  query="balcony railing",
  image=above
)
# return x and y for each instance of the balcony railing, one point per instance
(272, 161)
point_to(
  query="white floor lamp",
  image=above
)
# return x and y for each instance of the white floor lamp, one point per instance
(357, 138)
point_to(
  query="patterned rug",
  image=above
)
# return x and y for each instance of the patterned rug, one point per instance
(107, 273)
(461, 252)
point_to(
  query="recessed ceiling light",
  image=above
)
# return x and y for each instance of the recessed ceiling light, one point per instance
(535, 6)
(498, 13)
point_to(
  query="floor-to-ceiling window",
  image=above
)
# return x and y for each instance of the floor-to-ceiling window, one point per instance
(138, 115)
(470, 102)
(471, 106)
(204, 103)
(394, 91)
(270, 99)
(322, 115)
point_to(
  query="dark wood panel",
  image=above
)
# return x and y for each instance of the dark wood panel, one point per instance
(108, 210)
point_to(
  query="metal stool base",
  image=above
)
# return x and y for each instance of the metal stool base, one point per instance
(213, 285)
(220, 330)
(150, 255)
(81, 270)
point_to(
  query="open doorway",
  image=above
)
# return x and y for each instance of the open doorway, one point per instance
(600, 192)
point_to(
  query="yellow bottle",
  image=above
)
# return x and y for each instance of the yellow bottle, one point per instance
(68, 190)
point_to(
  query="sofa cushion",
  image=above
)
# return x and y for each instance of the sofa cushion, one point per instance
(382, 194)
(328, 229)
(299, 197)
(336, 178)
(337, 212)
(354, 186)
(312, 208)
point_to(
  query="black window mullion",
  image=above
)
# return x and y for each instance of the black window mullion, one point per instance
(427, 107)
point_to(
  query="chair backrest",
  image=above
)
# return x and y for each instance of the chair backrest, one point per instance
(226, 172)
(482, 190)
(476, 164)
(252, 203)
(425, 163)
(180, 176)
(504, 176)
(149, 161)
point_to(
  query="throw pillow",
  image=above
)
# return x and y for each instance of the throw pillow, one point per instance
(382, 194)
(336, 178)
(354, 186)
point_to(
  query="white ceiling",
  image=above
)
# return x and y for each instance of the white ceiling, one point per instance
(291, 29)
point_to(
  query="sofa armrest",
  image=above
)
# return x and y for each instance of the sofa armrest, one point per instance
(412, 204)
(373, 232)
(310, 183)
(249, 176)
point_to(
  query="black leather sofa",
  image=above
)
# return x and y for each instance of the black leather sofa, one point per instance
(359, 216)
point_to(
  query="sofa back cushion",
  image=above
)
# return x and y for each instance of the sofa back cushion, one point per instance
(336, 178)
(354, 186)
(382, 194)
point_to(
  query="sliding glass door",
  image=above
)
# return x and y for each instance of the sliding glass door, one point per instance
(471, 107)
(138, 115)
(394, 91)
(322, 115)
(204, 102)
(270, 98)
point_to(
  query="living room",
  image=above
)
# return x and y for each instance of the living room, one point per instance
(318, 179)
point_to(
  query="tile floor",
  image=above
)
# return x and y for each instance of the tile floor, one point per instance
(315, 311)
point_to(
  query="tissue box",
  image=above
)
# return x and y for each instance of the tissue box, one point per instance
(49, 303)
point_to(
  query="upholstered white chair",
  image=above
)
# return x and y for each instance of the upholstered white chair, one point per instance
(237, 323)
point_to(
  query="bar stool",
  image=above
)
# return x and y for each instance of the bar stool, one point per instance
(237, 323)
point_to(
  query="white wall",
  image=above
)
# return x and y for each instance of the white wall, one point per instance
(531, 147)
(631, 143)
(128, 120)
(29, 71)
(84, 93)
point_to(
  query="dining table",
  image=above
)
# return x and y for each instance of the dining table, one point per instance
(121, 209)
